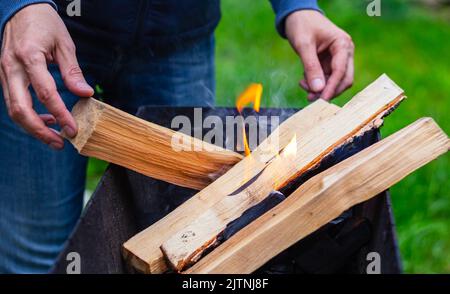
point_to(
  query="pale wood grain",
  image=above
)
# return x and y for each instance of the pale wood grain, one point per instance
(362, 113)
(115, 136)
(142, 251)
(325, 196)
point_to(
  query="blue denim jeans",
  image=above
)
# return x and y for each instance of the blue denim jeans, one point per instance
(41, 190)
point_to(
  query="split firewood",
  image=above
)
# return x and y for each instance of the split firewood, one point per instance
(325, 196)
(364, 112)
(142, 251)
(115, 136)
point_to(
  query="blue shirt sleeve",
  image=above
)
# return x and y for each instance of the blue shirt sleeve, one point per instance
(10, 7)
(283, 8)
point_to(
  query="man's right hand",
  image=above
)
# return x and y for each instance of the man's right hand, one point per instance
(34, 37)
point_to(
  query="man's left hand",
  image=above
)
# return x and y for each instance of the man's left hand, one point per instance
(326, 52)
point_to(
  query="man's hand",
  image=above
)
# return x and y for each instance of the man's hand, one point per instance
(326, 52)
(35, 36)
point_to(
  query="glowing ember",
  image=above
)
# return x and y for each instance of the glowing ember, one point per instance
(253, 95)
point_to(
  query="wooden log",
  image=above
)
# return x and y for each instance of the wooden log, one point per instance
(115, 136)
(363, 112)
(142, 251)
(325, 196)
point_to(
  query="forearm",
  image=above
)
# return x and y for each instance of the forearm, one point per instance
(283, 8)
(8, 8)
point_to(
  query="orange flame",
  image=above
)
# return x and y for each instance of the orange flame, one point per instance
(244, 138)
(253, 95)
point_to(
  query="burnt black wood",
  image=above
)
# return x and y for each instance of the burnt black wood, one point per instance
(126, 202)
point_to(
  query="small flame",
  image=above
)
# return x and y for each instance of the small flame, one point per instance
(244, 138)
(253, 95)
(291, 149)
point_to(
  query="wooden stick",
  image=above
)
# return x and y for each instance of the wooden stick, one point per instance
(325, 196)
(110, 134)
(363, 112)
(142, 251)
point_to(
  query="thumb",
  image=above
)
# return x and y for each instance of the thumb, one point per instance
(313, 69)
(71, 72)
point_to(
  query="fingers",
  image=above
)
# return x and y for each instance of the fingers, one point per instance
(70, 70)
(304, 84)
(347, 82)
(47, 119)
(21, 111)
(17, 73)
(46, 91)
(341, 74)
(29, 43)
(4, 87)
(313, 70)
(311, 95)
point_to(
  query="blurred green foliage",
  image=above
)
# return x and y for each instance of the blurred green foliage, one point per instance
(410, 43)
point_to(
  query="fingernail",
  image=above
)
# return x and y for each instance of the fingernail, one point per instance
(317, 85)
(55, 145)
(85, 87)
(69, 132)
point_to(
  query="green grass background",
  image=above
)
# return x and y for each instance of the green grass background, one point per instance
(411, 43)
